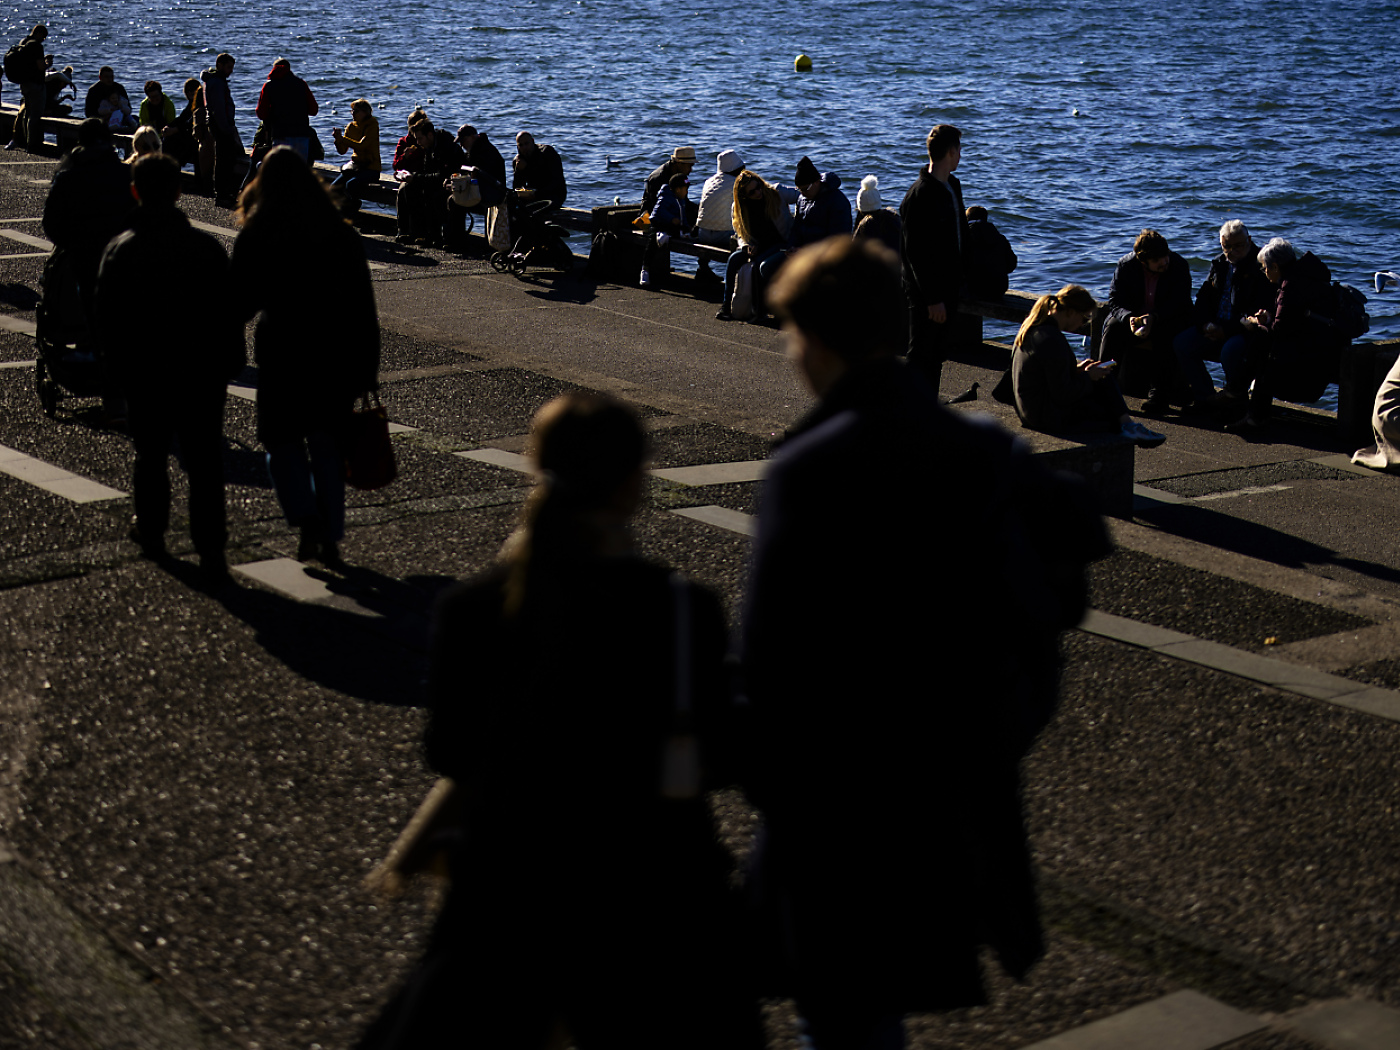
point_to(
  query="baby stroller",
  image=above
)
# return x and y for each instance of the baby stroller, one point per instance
(538, 242)
(65, 364)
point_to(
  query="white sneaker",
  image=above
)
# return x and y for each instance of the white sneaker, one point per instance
(645, 280)
(1141, 436)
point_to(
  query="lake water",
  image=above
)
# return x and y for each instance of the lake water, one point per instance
(1082, 123)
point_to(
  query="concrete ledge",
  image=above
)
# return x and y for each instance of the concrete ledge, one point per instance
(1350, 1024)
(1184, 1020)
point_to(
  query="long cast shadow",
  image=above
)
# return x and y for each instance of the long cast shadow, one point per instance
(1257, 541)
(371, 646)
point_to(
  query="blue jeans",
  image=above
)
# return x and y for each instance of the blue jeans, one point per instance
(1193, 350)
(309, 479)
(353, 184)
(764, 269)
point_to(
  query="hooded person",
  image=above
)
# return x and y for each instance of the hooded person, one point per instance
(823, 210)
(286, 106)
(714, 223)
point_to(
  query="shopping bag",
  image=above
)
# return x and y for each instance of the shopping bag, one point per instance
(369, 454)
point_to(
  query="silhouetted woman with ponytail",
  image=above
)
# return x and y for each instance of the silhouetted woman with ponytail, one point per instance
(572, 689)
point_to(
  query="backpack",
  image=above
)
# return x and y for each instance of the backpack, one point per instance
(1350, 318)
(14, 63)
(604, 255)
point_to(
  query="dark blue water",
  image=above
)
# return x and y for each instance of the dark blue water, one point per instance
(1082, 123)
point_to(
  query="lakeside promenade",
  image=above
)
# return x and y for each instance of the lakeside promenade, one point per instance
(192, 785)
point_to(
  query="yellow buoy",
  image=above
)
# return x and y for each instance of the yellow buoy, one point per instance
(802, 64)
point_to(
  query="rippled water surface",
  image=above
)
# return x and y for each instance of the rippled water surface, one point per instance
(1082, 123)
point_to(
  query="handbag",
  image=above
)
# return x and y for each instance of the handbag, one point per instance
(741, 304)
(369, 453)
(498, 228)
(465, 191)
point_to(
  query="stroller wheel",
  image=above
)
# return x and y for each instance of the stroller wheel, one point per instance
(500, 262)
(517, 265)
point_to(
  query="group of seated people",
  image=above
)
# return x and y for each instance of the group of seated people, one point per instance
(1267, 315)
(443, 177)
(762, 223)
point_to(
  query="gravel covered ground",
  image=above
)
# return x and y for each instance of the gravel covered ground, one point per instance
(195, 783)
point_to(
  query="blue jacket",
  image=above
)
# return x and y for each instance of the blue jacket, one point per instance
(825, 216)
(669, 214)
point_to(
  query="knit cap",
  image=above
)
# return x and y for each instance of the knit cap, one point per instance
(868, 199)
(806, 172)
(728, 163)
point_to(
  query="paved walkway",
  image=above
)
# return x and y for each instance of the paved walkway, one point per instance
(191, 785)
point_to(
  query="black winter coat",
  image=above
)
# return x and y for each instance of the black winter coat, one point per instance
(199, 345)
(990, 260)
(934, 242)
(317, 339)
(1249, 291)
(542, 172)
(1127, 296)
(890, 713)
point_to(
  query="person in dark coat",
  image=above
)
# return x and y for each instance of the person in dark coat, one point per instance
(106, 86)
(934, 239)
(29, 63)
(286, 106)
(1052, 389)
(1295, 356)
(293, 253)
(822, 209)
(423, 189)
(228, 144)
(873, 219)
(537, 172)
(680, 162)
(174, 385)
(990, 259)
(588, 887)
(88, 204)
(1149, 303)
(1234, 289)
(481, 154)
(889, 715)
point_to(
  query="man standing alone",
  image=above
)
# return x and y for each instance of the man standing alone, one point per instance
(26, 68)
(174, 386)
(935, 231)
(228, 146)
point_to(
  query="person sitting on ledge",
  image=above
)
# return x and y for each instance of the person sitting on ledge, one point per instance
(873, 220)
(1053, 390)
(1149, 303)
(822, 209)
(680, 162)
(157, 110)
(102, 91)
(668, 219)
(537, 172)
(1234, 289)
(1295, 354)
(988, 257)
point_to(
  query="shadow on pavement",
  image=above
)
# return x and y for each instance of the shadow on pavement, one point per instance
(368, 641)
(1253, 540)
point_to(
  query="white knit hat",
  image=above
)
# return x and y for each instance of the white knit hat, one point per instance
(868, 199)
(728, 163)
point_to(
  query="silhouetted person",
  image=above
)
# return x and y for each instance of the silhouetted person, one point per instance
(555, 684)
(935, 239)
(890, 713)
(175, 375)
(1149, 303)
